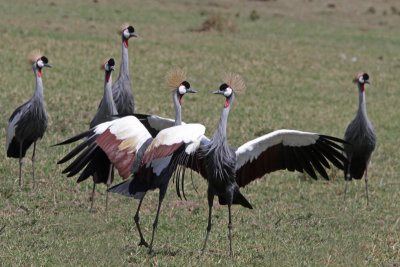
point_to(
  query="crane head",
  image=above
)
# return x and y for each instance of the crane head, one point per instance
(43, 62)
(233, 83)
(183, 89)
(127, 31)
(108, 65)
(362, 78)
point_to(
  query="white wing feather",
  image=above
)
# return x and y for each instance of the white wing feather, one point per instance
(252, 149)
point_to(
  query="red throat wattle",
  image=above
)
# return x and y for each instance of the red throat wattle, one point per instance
(39, 73)
(180, 101)
(108, 74)
(226, 103)
(362, 88)
(126, 43)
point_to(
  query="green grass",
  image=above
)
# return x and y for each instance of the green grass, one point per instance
(291, 60)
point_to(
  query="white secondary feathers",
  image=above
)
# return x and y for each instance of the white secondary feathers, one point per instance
(125, 128)
(252, 149)
(188, 134)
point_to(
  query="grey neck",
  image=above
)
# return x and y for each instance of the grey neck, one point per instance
(124, 68)
(177, 106)
(107, 96)
(39, 84)
(220, 133)
(362, 108)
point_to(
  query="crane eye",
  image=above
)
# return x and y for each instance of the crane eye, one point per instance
(45, 60)
(186, 84)
(111, 62)
(131, 29)
(365, 76)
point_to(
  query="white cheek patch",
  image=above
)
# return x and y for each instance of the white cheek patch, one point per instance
(182, 90)
(361, 79)
(106, 67)
(40, 64)
(228, 92)
(126, 34)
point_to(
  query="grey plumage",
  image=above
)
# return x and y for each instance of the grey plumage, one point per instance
(29, 121)
(146, 178)
(94, 161)
(121, 90)
(361, 135)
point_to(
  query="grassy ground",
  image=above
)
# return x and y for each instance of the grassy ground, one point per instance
(298, 59)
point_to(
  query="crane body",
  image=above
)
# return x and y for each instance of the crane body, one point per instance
(29, 121)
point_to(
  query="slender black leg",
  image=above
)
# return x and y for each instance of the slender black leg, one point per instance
(366, 182)
(142, 241)
(92, 200)
(33, 163)
(110, 173)
(20, 164)
(230, 230)
(161, 197)
(347, 178)
(210, 204)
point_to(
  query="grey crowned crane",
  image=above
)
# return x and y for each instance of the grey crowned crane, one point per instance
(227, 169)
(29, 121)
(99, 167)
(121, 89)
(125, 140)
(361, 134)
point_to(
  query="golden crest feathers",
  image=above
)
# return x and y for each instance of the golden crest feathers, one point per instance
(175, 77)
(355, 79)
(103, 63)
(34, 56)
(235, 81)
(123, 27)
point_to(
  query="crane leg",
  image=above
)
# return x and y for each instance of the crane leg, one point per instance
(347, 179)
(142, 241)
(366, 182)
(230, 230)
(92, 200)
(163, 190)
(210, 204)
(20, 164)
(110, 173)
(33, 163)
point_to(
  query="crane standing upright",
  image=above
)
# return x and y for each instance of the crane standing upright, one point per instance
(361, 135)
(29, 121)
(121, 89)
(99, 167)
(227, 169)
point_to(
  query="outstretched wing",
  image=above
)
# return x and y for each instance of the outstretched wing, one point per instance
(171, 139)
(118, 139)
(287, 149)
(121, 142)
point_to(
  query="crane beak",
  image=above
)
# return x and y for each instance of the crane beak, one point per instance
(48, 65)
(367, 82)
(218, 92)
(133, 34)
(191, 91)
(112, 68)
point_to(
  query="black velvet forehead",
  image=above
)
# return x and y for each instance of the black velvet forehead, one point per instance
(44, 59)
(223, 87)
(186, 84)
(111, 62)
(131, 29)
(365, 76)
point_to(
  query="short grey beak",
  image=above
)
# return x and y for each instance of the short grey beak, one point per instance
(133, 34)
(48, 65)
(112, 68)
(218, 92)
(191, 91)
(367, 82)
